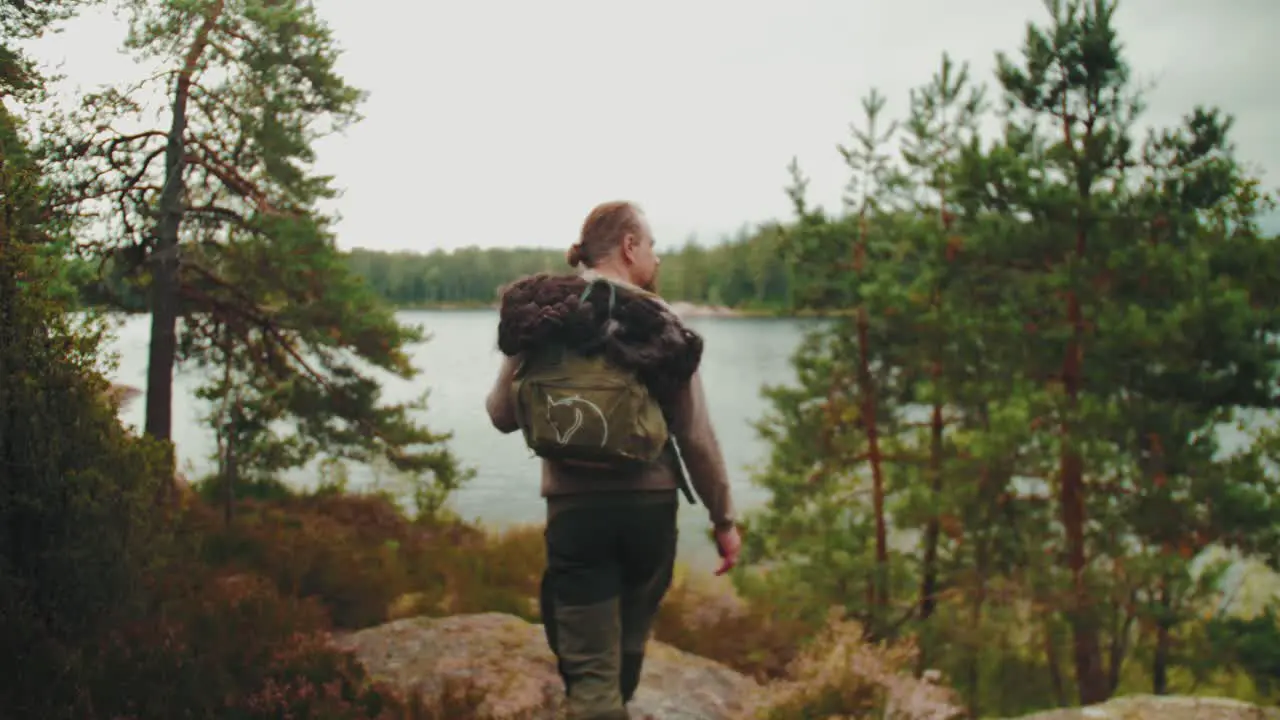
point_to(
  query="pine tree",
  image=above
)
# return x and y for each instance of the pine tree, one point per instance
(1190, 303)
(1057, 326)
(833, 453)
(217, 212)
(1073, 79)
(942, 122)
(1073, 222)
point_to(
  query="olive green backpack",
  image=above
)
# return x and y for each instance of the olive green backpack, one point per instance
(586, 410)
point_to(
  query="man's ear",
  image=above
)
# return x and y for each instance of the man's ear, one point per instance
(628, 246)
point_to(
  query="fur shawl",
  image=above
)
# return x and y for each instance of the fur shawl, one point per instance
(640, 332)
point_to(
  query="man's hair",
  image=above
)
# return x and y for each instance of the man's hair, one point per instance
(603, 231)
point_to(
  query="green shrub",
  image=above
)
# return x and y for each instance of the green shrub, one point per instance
(81, 530)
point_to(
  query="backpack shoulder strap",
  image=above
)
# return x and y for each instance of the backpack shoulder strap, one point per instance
(613, 292)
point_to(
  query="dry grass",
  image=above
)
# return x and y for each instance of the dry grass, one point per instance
(840, 676)
(825, 672)
(707, 618)
(366, 563)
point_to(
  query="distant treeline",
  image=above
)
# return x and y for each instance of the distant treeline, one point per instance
(747, 271)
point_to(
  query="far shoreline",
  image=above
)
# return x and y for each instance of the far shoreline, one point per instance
(682, 308)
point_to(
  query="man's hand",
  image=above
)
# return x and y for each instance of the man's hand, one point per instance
(729, 544)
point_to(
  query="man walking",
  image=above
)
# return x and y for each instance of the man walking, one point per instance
(609, 475)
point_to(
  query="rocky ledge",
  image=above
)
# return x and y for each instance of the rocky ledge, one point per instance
(1155, 707)
(506, 659)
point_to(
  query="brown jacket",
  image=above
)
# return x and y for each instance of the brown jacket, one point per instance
(691, 426)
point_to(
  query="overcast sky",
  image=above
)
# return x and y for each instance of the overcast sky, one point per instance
(502, 123)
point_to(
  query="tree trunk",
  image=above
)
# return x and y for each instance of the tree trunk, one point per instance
(1160, 664)
(229, 431)
(929, 565)
(975, 620)
(1090, 676)
(229, 477)
(1055, 667)
(1091, 679)
(873, 453)
(164, 280)
(929, 579)
(929, 571)
(868, 394)
(1120, 644)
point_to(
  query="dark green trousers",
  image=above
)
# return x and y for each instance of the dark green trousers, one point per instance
(609, 562)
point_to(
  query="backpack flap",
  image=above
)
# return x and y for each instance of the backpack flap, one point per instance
(587, 411)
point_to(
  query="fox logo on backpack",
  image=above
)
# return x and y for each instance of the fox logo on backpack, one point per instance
(576, 402)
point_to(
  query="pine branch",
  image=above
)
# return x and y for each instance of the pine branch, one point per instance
(268, 326)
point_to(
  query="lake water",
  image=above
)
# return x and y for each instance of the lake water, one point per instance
(459, 364)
